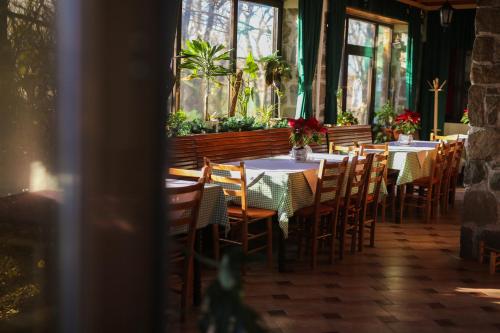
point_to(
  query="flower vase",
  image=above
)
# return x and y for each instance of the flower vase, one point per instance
(299, 153)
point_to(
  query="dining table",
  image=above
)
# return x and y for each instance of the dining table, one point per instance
(213, 206)
(285, 185)
(413, 160)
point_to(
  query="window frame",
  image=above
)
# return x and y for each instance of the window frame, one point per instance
(233, 34)
(351, 49)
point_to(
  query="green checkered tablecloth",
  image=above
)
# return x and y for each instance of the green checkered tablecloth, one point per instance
(281, 185)
(213, 208)
(412, 163)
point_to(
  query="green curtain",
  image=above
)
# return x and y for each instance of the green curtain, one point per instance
(412, 57)
(334, 46)
(308, 43)
(437, 63)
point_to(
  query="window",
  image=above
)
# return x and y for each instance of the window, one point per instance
(374, 67)
(252, 28)
(209, 20)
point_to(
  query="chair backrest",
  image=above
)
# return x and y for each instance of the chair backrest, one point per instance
(446, 138)
(330, 181)
(459, 148)
(378, 149)
(376, 176)
(186, 174)
(356, 180)
(233, 186)
(342, 150)
(183, 208)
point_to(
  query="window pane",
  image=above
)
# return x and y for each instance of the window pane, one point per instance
(361, 33)
(210, 21)
(256, 34)
(358, 87)
(383, 58)
(398, 67)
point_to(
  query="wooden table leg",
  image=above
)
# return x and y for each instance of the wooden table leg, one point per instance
(282, 253)
(401, 193)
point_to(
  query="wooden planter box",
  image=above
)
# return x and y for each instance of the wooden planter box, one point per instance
(189, 151)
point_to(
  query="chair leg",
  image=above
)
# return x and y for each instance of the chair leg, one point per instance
(384, 208)
(333, 226)
(342, 239)
(493, 262)
(354, 232)
(216, 242)
(481, 252)
(187, 288)
(314, 240)
(428, 205)
(270, 242)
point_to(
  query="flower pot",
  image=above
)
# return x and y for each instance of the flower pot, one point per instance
(299, 153)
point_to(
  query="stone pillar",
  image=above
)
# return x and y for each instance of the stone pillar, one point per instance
(481, 218)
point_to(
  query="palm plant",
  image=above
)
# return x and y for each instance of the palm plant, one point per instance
(205, 62)
(276, 69)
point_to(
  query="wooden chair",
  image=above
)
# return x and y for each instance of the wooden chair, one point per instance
(240, 215)
(343, 150)
(423, 192)
(455, 172)
(488, 251)
(185, 174)
(329, 186)
(183, 208)
(371, 196)
(390, 178)
(445, 138)
(444, 193)
(351, 205)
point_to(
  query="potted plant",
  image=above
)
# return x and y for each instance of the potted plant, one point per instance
(407, 123)
(205, 62)
(302, 133)
(383, 122)
(247, 92)
(275, 69)
(465, 117)
(346, 118)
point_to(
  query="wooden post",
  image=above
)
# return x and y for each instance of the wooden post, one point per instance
(436, 88)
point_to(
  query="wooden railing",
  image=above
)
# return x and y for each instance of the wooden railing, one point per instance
(188, 151)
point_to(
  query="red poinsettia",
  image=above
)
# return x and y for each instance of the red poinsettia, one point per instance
(305, 131)
(408, 122)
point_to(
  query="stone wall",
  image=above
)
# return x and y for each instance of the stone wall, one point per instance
(481, 218)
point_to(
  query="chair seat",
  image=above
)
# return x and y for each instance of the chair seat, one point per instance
(308, 211)
(252, 213)
(424, 181)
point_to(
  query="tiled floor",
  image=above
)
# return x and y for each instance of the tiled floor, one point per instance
(412, 281)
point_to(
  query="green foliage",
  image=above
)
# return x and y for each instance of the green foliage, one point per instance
(177, 124)
(248, 81)
(386, 115)
(346, 118)
(275, 69)
(280, 123)
(264, 114)
(223, 310)
(383, 122)
(205, 62)
(239, 124)
(339, 100)
(465, 117)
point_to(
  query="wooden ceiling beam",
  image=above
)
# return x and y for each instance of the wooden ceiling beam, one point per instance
(429, 5)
